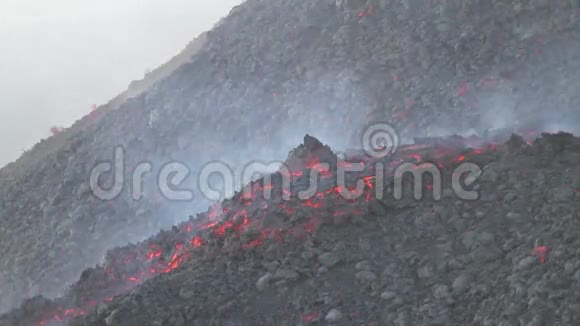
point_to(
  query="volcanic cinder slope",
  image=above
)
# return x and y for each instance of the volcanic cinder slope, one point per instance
(507, 256)
(267, 74)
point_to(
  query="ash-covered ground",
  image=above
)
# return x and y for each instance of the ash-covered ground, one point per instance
(507, 257)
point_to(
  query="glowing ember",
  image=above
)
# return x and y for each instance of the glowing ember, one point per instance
(462, 90)
(309, 317)
(196, 242)
(541, 252)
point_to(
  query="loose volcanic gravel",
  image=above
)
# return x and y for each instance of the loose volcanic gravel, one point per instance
(508, 257)
(272, 71)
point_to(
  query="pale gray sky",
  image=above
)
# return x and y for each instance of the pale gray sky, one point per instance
(59, 57)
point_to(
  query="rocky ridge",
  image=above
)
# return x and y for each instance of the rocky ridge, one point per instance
(507, 257)
(324, 67)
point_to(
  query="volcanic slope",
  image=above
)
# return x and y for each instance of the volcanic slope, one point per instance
(272, 71)
(509, 256)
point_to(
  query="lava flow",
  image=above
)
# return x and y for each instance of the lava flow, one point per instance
(129, 267)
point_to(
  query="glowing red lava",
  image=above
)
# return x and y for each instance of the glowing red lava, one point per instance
(240, 221)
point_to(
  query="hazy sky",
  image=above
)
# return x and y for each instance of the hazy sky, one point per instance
(59, 57)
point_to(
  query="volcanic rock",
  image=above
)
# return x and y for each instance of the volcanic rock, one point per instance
(279, 68)
(449, 271)
(333, 316)
(309, 154)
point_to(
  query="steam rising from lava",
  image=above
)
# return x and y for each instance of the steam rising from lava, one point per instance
(130, 266)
